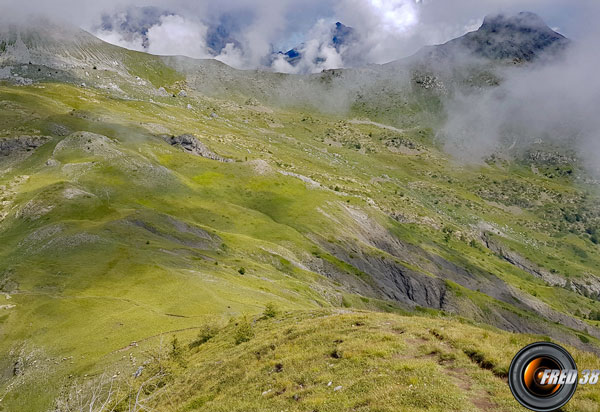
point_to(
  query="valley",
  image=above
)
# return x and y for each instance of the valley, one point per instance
(146, 200)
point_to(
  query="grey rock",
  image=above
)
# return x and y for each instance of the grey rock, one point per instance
(21, 144)
(550, 158)
(176, 231)
(138, 372)
(18, 367)
(191, 144)
(424, 283)
(588, 285)
(7, 283)
(59, 129)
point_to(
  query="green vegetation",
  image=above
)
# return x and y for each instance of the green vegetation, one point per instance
(270, 310)
(336, 361)
(243, 332)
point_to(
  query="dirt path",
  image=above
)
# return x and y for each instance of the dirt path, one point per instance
(478, 397)
(380, 125)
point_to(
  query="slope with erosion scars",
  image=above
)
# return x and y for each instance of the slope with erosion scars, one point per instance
(587, 285)
(377, 244)
(428, 292)
(422, 279)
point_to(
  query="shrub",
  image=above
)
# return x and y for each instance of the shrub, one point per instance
(241, 271)
(243, 332)
(447, 229)
(176, 350)
(207, 332)
(270, 310)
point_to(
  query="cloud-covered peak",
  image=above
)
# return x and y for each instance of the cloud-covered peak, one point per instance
(519, 37)
(162, 31)
(343, 34)
(323, 51)
(523, 36)
(521, 21)
(133, 22)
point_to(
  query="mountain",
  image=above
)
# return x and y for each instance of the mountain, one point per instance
(183, 231)
(341, 35)
(522, 37)
(133, 23)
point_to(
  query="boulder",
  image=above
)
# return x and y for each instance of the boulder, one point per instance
(192, 145)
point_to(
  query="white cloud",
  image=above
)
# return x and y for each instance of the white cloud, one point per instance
(134, 43)
(175, 35)
(317, 52)
(231, 56)
(281, 65)
(395, 15)
(388, 29)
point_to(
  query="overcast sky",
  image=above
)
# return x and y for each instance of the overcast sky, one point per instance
(386, 29)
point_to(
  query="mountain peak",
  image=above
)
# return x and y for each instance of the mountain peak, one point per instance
(520, 37)
(340, 35)
(519, 21)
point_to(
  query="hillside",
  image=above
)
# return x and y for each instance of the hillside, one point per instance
(143, 197)
(328, 360)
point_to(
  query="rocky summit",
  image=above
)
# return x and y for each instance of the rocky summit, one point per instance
(522, 37)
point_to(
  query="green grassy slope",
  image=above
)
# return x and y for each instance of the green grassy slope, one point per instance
(328, 361)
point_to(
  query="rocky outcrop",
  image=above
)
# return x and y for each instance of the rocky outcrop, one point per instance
(520, 37)
(21, 144)
(391, 279)
(59, 129)
(411, 275)
(588, 285)
(7, 282)
(174, 230)
(191, 144)
(553, 158)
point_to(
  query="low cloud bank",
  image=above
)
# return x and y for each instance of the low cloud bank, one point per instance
(546, 102)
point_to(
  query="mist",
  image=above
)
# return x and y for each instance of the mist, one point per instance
(554, 101)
